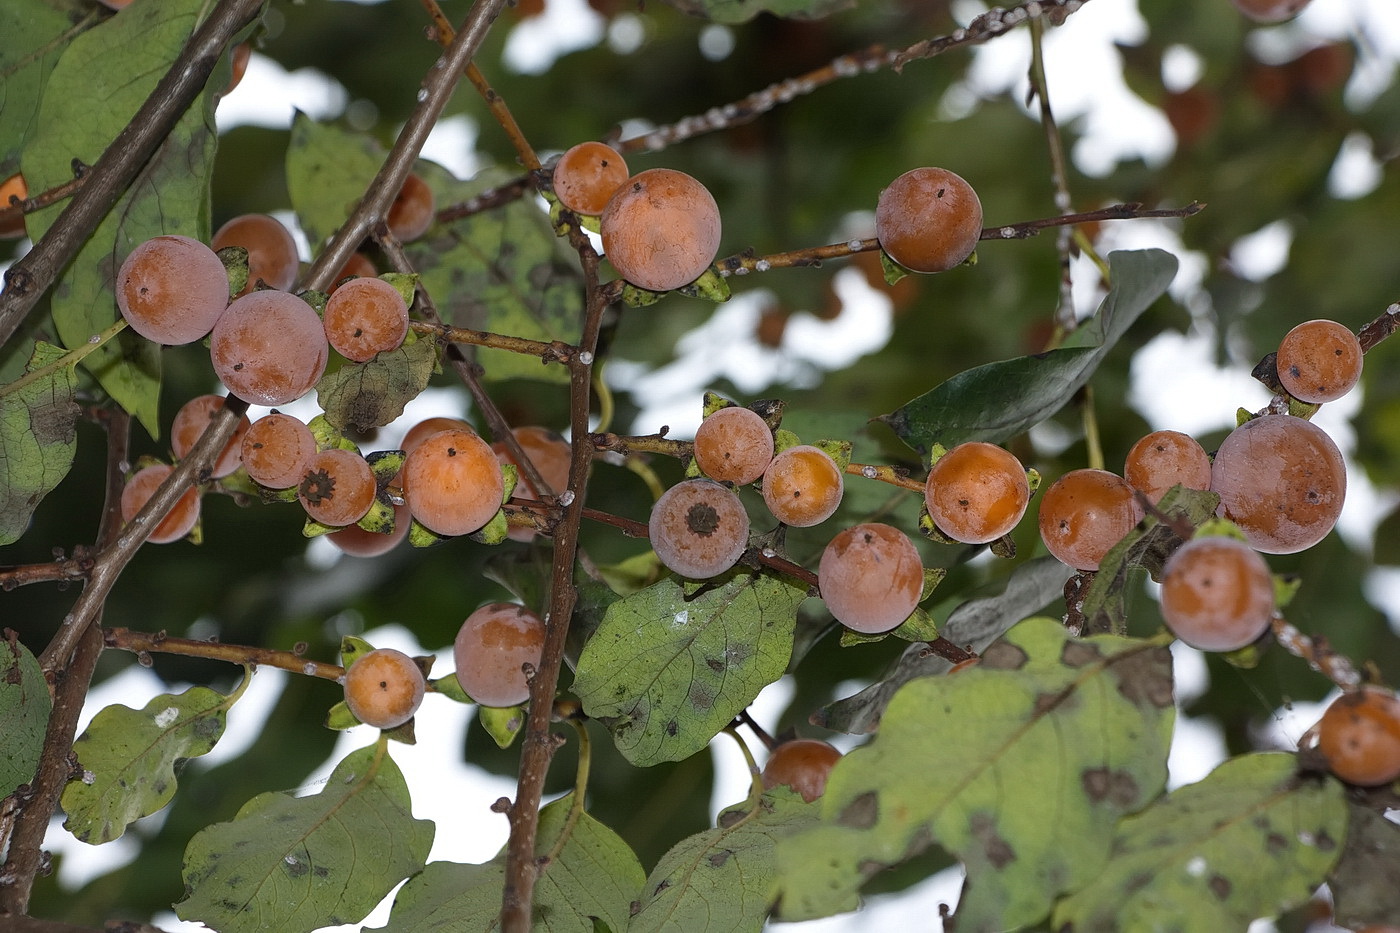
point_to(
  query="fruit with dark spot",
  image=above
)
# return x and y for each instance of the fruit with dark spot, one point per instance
(1319, 361)
(1084, 514)
(802, 486)
(452, 482)
(1359, 735)
(587, 175)
(172, 289)
(733, 445)
(269, 347)
(699, 528)
(1217, 594)
(337, 487)
(1282, 480)
(976, 492)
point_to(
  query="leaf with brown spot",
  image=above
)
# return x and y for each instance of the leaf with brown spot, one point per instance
(723, 878)
(1250, 840)
(645, 673)
(38, 439)
(362, 396)
(1363, 881)
(991, 764)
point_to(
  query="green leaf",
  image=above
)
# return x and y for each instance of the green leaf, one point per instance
(328, 170)
(739, 11)
(723, 879)
(1249, 841)
(362, 396)
(93, 92)
(297, 863)
(25, 705)
(38, 439)
(999, 400)
(672, 665)
(1020, 766)
(594, 879)
(36, 35)
(1146, 547)
(128, 760)
(974, 624)
(502, 271)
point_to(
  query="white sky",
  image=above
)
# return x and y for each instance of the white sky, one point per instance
(1087, 87)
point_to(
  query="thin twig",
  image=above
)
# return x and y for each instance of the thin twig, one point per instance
(1059, 173)
(146, 642)
(436, 91)
(468, 371)
(494, 102)
(874, 58)
(18, 207)
(556, 351)
(744, 263)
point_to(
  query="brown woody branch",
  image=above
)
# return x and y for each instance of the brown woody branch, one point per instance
(160, 643)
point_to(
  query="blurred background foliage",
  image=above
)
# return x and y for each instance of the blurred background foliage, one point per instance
(1258, 126)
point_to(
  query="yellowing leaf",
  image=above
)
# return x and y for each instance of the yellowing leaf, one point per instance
(1020, 766)
(1250, 840)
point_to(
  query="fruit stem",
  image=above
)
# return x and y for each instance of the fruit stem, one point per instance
(585, 755)
(755, 775)
(1092, 441)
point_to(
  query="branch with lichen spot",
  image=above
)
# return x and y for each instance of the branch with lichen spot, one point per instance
(146, 643)
(746, 262)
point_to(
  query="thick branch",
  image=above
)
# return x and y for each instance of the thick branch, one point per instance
(26, 851)
(538, 747)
